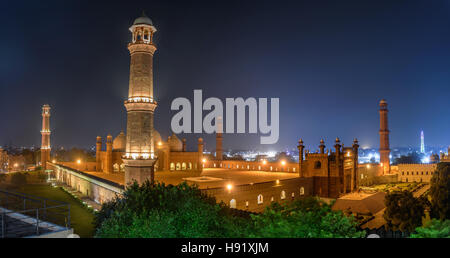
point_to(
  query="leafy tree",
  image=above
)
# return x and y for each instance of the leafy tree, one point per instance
(440, 192)
(433, 229)
(403, 211)
(157, 210)
(18, 179)
(308, 218)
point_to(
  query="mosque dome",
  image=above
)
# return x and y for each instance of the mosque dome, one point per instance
(156, 137)
(143, 20)
(175, 144)
(120, 142)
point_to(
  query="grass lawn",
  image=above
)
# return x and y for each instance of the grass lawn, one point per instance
(81, 218)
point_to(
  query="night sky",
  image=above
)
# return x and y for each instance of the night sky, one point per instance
(329, 62)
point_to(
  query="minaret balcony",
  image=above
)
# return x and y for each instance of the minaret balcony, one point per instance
(140, 104)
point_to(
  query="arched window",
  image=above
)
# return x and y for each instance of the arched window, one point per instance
(172, 166)
(260, 199)
(270, 168)
(214, 164)
(259, 167)
(293, 169)
(183, 166)
(116, 167)
(293, 195)
(317, 165)
(283, 195)
(248, 167)
(178, 167)
(233, 203)
(271, 199)
(302, 190)
(246, 204)
(190, 166)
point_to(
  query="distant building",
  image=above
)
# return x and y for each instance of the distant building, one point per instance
(422, 142)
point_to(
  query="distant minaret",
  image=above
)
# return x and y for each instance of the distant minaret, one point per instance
(422, 142)
(219, 139)
(139, 158)
(384, 138)
(45, 132)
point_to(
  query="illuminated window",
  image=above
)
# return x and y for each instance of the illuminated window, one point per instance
(302, 190)
(271, 199)
(183, 166)
(283, 195)
(233, 203)
(260, 199)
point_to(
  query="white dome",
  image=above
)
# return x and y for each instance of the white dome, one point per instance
(120, 142)
(156, 137)
(175, 144)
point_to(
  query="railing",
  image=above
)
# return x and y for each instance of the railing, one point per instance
(24, 215)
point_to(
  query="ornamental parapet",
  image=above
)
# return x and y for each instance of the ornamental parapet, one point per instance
(141, 105)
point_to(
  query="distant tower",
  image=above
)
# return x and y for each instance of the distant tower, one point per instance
(384, 139)
(108, 158)
(301, 148)
(139, 158)
(98, 153)
(219, 149)
(45, 132)
(422, 142)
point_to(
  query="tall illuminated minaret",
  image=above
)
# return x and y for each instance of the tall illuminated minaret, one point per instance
(45, 132)
(139, 158)
(384, 139)
(422, 142)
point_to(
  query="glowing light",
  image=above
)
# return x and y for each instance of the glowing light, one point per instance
(283, 162)
(79, 161)
(348, 154)
(229, 186)
(16, 165)
(426, 160)
(278, 181)
(381, 164)
(159, 143)
(204, 160)
(134, 155)
(54, 161)
(368, 166)
(264, 162)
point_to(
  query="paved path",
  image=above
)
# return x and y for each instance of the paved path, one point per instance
(422, 190)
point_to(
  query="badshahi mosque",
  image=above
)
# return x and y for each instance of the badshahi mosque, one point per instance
(141, 153)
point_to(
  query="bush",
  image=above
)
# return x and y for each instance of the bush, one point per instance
(433, 229)
(308, 218)
(157, 210)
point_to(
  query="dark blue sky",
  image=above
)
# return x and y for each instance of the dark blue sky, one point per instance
(329, 62)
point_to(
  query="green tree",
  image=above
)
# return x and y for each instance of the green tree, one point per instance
(308, 218)
(433, 229)
(440, 192)
(157, 210)
(403, 211)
